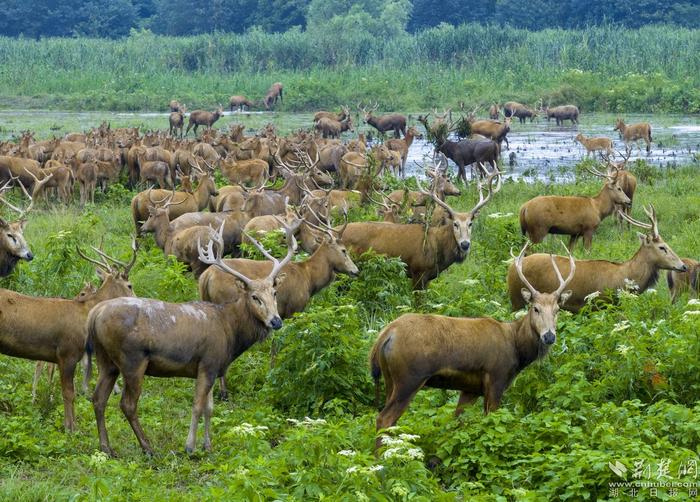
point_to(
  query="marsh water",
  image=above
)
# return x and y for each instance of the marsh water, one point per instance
(539, 149)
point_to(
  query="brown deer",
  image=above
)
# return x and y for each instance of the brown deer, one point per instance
(186, 202)
(86, 175)
(203, 118)
(387, 122)
(175, 105)
(681, 282)
(571, 215)
(494, 111)
(476, 356)
(593, 145)
(13, 246)
(177, 121)
(330, 128)
(338, 117)
(634, 132)
(302, 279)
(495, 131)
(240, 102)
(53, 329)
(426, 253)
(199, 340)
(515, 109)
(626, 180)
(598, 276)
(402, 146)
(253, 171)
(156, 172)
(273, 94)
(562, 113)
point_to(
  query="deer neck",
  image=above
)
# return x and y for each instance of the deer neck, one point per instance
(641, 269)
(318, 269)
(408, 139)
(201, 195)
(246, 329)
(528, 347)
(163, 232)
(442, 246)
(604, 202)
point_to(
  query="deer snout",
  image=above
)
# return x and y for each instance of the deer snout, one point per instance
(276, 322)
(465, 245)
(549, 337)
(682, 268)
(28, 256)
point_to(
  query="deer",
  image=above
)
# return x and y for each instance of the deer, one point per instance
(495, 131)
(13, 245)
(592, 145)
(179, 243)
(174, 105)
(302, 279)
(177, 121)
(562, 113)
(53, 329)
(86, 174)
(156, 172)
(470, 151)
(338, 117)
(494, 111)
(681, 282)
(198, 340)
(426, 253)
(384, 123)
(575, 216)
(634, 132)
(253, 171)
(274, 93)
(240, 102)
(626, 180)
(186, 202)
(403, 145)
(203, 118)
(515, 109)
(476, 356)
(330, 128)
(598, 276)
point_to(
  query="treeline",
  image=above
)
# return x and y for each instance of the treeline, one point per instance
(116, 18)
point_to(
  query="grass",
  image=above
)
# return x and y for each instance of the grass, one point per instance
(600, 69)
(589, 402)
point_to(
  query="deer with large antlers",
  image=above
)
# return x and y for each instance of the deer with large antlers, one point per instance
(13, 246)
(598, 276)
(53, 329)
(572, 215)
(301, 281)
(426, 253)
(478, 357)
(199, 340)
(626, 180)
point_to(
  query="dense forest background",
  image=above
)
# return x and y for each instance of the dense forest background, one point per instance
(116, 18)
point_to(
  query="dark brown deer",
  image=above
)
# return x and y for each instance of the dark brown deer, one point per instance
(240, 102)
(273, 94)
(203, 118)
(387, 122)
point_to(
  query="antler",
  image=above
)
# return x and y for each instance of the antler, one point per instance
(483, 201)
(165, 202)
(37, 187)
(435, 198)
(125, 266)
(599, 174)
(562, 282)
(207, 255)
(651, 214)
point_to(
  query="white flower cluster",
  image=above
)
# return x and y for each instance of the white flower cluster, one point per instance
(621, 326)
(99, 457)
(246, 429)
(500, 215)
(307, 422)
(347, 453)
(623, 349)
(689, 314)
(401, 448)
(630, 285)
(356, 469)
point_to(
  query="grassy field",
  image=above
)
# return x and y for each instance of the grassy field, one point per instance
(621, 384)
(600, 69)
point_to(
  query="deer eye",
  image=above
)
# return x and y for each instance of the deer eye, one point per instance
(663, 248)
(537, 310)
(255, 298)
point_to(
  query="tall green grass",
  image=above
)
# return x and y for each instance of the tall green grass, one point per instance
(604, 69)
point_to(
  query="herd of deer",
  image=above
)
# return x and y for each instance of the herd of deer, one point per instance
(243, 300)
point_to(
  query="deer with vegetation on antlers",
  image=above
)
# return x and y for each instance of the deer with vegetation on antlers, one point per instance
(138, 337)
(598, 276)
(478, 357)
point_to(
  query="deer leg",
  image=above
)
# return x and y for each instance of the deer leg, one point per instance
(203, 387)
(223, 392)
(51, 369)
(86, 374)
(66, 369)
(35, 381)
(208, 410)
(493, 391)
(587, 240)
(108, 373)
(572, 241)
(396, 406)
(133, 380)
(465, 399)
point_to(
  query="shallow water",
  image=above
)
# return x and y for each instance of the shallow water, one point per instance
(537, 150)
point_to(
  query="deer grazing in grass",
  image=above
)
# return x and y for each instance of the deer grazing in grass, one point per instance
(203, 118)
(199, 340)
(302, 279)
(598, 276)
(240, 102)
(476, 356)
(13, 246)
(571, 215)
(384, 123)
(53, 329)
(273, 94)
(426, 253)
(634, 132)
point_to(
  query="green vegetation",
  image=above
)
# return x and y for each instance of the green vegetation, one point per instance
(653, 69)
(620, 384)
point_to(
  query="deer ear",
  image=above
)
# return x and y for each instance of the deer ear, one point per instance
(642, 237)
(101, 274)
(279, 279)
(565, 296)
(527, 295)
(3, 223)
(22, 223)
